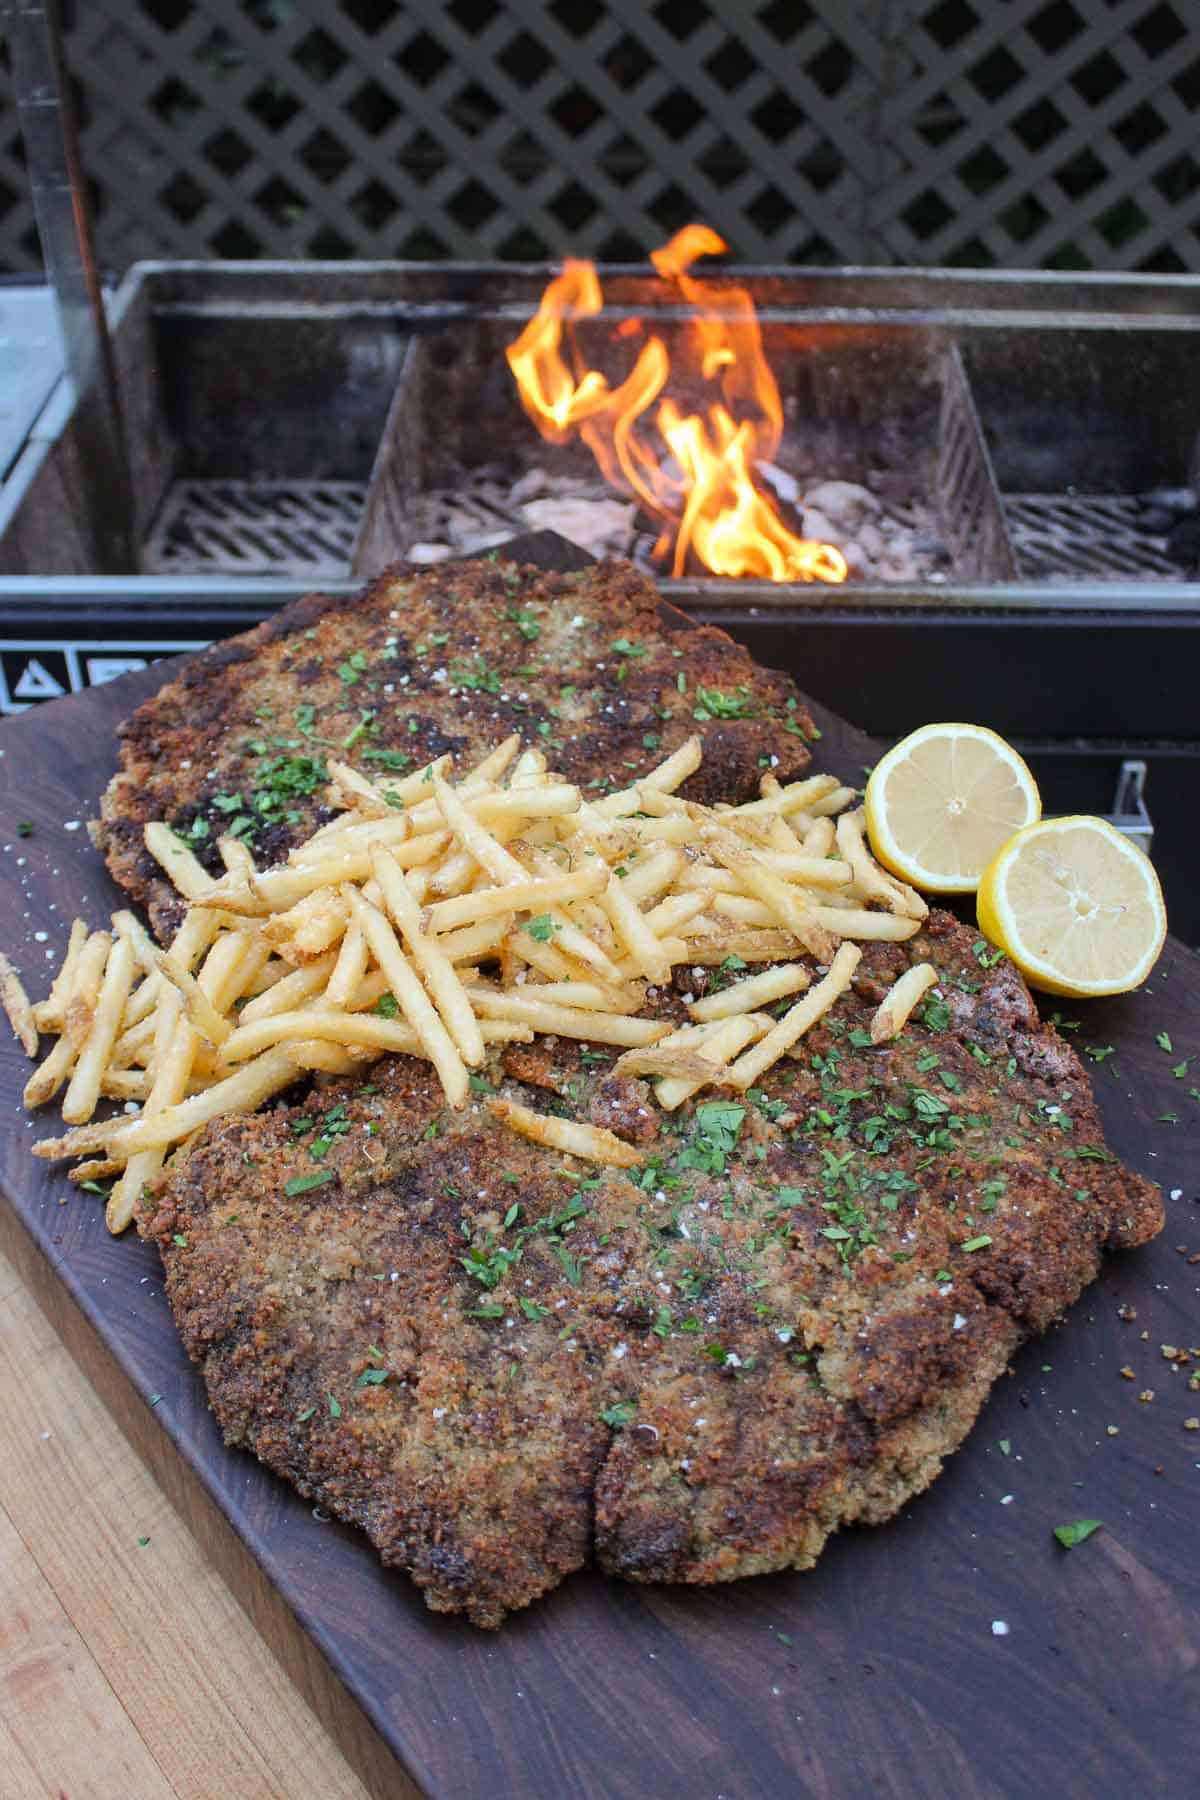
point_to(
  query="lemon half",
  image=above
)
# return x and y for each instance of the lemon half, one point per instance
(941, 802)
(1077, 907)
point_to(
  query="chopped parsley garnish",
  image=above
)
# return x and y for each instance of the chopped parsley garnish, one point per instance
(1163, 1040)
(372, 1378)
(24, 828)
(300, 1184)
(623, 647)
(525, 623)
(977, 1243)
(619, 1413)
(387, 1006)
(390, 759)
(711, 703)
(542, 929)
(1076, 1532)
(335, 1410)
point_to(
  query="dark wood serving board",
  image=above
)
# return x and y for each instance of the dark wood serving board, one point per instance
(878, 1673)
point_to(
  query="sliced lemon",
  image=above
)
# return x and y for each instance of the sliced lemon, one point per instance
(1077, 907)
(942, 801)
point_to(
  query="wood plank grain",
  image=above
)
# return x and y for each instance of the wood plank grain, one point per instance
(878, 1673)
(18, 1777)
(214, 1709)
(54, 1699)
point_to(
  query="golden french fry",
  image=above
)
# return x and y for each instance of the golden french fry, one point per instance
(652, 873)
(818, 839)
(872, 881)
(668, 776)
(473, 942)
(123, 1084)
(324, 1022)
(309, 928)
(654, 1060)
(351, 833)
(854, 922)
(412, 999)
(748, 996)
(591, 1142)
(16, 1004)
(311, 978)
(797, 1020)
(588, 996)
(437, 971)
(896, 1007)
(527, 895)
(648, 953)
(235, 854)
(720, 1042)
(79, 1102)
(328, 1058)
(174, 858)
(274, 890)
(671, 915)
(600, 1028)
(349, 969)
(785, 903)
(78, 1006)
(48, 1013)
(200, 1009)
(781, 801)
(97, 1168)
(241, 1092)
(834, 802)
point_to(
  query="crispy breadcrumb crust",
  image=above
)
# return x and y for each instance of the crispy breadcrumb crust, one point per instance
(504, 1364)
(585, 665)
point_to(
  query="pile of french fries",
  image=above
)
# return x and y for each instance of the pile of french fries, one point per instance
(436, 917)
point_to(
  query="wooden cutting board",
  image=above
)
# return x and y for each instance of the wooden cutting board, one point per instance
(883, 1671)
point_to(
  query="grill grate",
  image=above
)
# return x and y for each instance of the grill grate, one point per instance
(1060, 537)
(303, 528)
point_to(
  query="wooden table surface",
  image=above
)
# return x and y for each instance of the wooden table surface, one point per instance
(128, 1671)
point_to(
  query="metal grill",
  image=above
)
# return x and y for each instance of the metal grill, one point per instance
(1037, 133)
(302, 528)
(1070, 537)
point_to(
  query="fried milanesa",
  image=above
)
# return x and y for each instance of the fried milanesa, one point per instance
(504, 1364)
(451, 660)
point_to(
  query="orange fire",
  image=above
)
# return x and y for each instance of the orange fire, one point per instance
(694, 470)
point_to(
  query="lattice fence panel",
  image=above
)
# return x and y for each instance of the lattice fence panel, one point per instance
(986, 132)
(1059, 135)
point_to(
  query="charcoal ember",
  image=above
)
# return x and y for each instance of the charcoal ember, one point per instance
(785, 487)
(845, 503)
(530, 486)
(601, 527)
(820, 526)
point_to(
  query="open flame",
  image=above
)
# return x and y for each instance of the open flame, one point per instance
(694, 470)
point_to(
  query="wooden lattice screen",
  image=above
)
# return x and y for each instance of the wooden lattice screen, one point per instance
(1020, 133)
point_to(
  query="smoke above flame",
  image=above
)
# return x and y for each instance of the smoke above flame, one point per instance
(694, 470)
